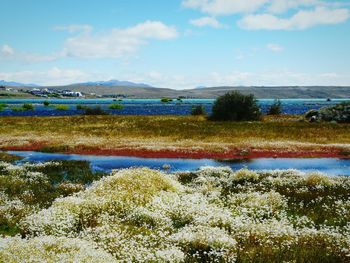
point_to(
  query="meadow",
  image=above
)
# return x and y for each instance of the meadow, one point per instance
(144, 215)
(182, 134)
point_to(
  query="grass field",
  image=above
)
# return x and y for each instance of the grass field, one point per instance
(177, 133)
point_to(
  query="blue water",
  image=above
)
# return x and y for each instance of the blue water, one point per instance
(149, 106)
(330, 166)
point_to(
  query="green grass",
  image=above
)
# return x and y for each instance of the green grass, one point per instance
(17, 109)
(3, 106)
(25, 107)
(116, 106)
(62, 107)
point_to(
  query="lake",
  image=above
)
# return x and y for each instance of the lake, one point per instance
(149, 106)
(329, 166)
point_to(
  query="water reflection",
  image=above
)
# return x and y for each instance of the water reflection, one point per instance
(330, 166)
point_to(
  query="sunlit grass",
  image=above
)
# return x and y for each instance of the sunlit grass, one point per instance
(182, 132)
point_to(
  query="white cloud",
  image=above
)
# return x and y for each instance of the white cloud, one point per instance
(73, 28)
(207, 21)
(6, 50)
(86, 44)
(117, 42)
(52, 76)
(281, 6)
(238, 78)
(8, 53)
(300, 20)
(224, 7)
(274, 47)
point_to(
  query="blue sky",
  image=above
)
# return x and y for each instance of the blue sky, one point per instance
(176, 43)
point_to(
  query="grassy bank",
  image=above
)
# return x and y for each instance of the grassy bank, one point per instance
(171, 133)
(211, 215)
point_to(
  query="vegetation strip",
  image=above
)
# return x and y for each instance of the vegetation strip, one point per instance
(176, 136)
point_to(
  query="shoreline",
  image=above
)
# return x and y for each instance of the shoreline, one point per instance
(188, 154)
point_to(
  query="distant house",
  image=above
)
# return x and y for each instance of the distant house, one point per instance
(2, 88)
(72, 93)
(36, 92)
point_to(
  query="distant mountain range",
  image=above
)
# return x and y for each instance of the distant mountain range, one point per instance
(141, 90)
(16, 84)
(114, 83)
(109, 83)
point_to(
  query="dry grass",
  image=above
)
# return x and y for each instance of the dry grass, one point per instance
(171, 132)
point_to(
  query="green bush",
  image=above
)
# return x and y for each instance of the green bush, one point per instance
(275, 108)
(234, 106)
(166, 100)
(46, 103)
(81, 107)
(2, 106)
(95, 111)
(116, 106)
(28, 106)
(339, 113)
(198, 110)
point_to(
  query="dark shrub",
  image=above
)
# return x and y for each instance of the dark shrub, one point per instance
(339, 113)
(95, 111)
(81, 107)
(235, 106)
(10, 158)
(198, 110)
(46, 103)
(166, 100)
(28, 106)
(275, 108)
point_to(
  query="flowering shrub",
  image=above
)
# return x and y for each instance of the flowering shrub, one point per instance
(210, 215)
(29, 187)
(51, 249)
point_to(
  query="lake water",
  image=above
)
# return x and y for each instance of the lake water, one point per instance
(330, 166)
(149, 106)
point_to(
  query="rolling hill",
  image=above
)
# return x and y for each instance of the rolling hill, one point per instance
(141, 90)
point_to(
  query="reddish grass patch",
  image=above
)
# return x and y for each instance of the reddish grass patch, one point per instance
(326, 152)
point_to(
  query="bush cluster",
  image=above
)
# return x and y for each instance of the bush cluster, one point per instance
(339, 113)
(275, 108)
(234, 106)
(198, 110)
(94, 111)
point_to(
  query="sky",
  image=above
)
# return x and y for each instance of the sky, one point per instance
(178, 44)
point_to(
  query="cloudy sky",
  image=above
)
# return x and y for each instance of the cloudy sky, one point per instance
(176, 43)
